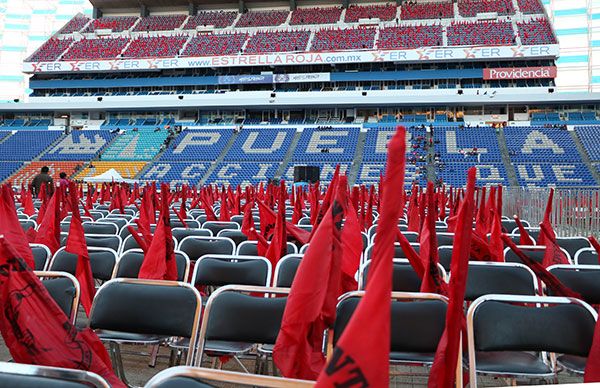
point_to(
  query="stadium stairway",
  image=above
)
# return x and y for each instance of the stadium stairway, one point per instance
(218, 161)
(585, 158)
(431, 176)
(288, 156)
(508, 166)
(358, 157)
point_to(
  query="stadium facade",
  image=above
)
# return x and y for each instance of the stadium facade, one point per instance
(238, 93)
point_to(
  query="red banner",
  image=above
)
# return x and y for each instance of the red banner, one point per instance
(520, 72)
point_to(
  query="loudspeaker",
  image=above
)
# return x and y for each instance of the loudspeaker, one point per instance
(364, 94)
(180, 97)
(99, 99)
(273, 95)
(309, 174)
(460, 91)
(550, 90)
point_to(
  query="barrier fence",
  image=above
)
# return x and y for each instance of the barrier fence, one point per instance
(575, 212)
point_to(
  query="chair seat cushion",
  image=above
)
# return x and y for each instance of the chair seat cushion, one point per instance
(574, 364)
(226, 347)
(124, 337)
(511, 363)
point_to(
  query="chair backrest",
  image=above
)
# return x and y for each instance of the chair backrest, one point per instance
(195, 377)
(41, 256)
(404, 277)
(130, 262)
(236, 235)
(196, 247)
(586, 256)
(444, 238)
(64, 289)
(120, 222)
(233, 315)
(100, 228)
(25, 375)
(573, 244)
(529, 323)
(250, 248)
(418, 320)
(583, 279)
(509, 225)
(499, 278)
(26, 224)
(398, 252)
(131, 243)
(216, 226)
(104, 241)
(304, 221)
(286, 269)
(181, 233)
(102, 261)
(222, 270)
(535, 252)
(155, 307)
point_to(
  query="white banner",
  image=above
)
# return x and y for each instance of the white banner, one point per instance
(283, 59)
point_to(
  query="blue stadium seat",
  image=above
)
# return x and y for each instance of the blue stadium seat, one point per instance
(80, 146)
(27, 145)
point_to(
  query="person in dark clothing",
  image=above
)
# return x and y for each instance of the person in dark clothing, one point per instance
(43, 178)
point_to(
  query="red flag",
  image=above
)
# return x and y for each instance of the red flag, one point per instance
(36, 331)
(139, 238)
(524, 237)
(443, 370)
(553, 254)
(361, 356)
(541, 272)
(27, 200)
(546, 219)
(224, 215)
(596, 245)
(159, 262)
(411, 254)
(76, 245)
(297, 215)
(49, 230)
(250, 231)
(496, 245)
(351, 238)
(278, 245)
(310, 307)
(413, 210)
(178, 214)
(10, 227)
(432, 280)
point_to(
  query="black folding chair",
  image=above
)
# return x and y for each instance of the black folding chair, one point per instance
(145, 312)
(216, 226)
(181, 233)
(196, 247)
(516, 336)
(102, 261)
(24, 375)
(235, 321)
(586, 256)
(573, 244)
(499, 278)
(130, 262)
(105, 228)
(41, 256)
(237, 236)
(250, 248)
(220, 270)
(285, 270)
(64, 289)
(417, 321)
(404, 277)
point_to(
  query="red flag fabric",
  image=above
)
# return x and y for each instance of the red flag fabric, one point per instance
(553, 254)
(524, 237)
(159, 262)
(546, 219)
(250, 231)
(278, 245)
(432, 281)
(310, 307)
(224, 214)
(595, 245)
(28, 207)
(49, 229)
(443, 370)
(10, 227)
(413, 210)
(178, 214)
(361, 356)
(352, 244)
(541, 272)
(139, 238)
(496, 245)
(36, 331)
(76, 245)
